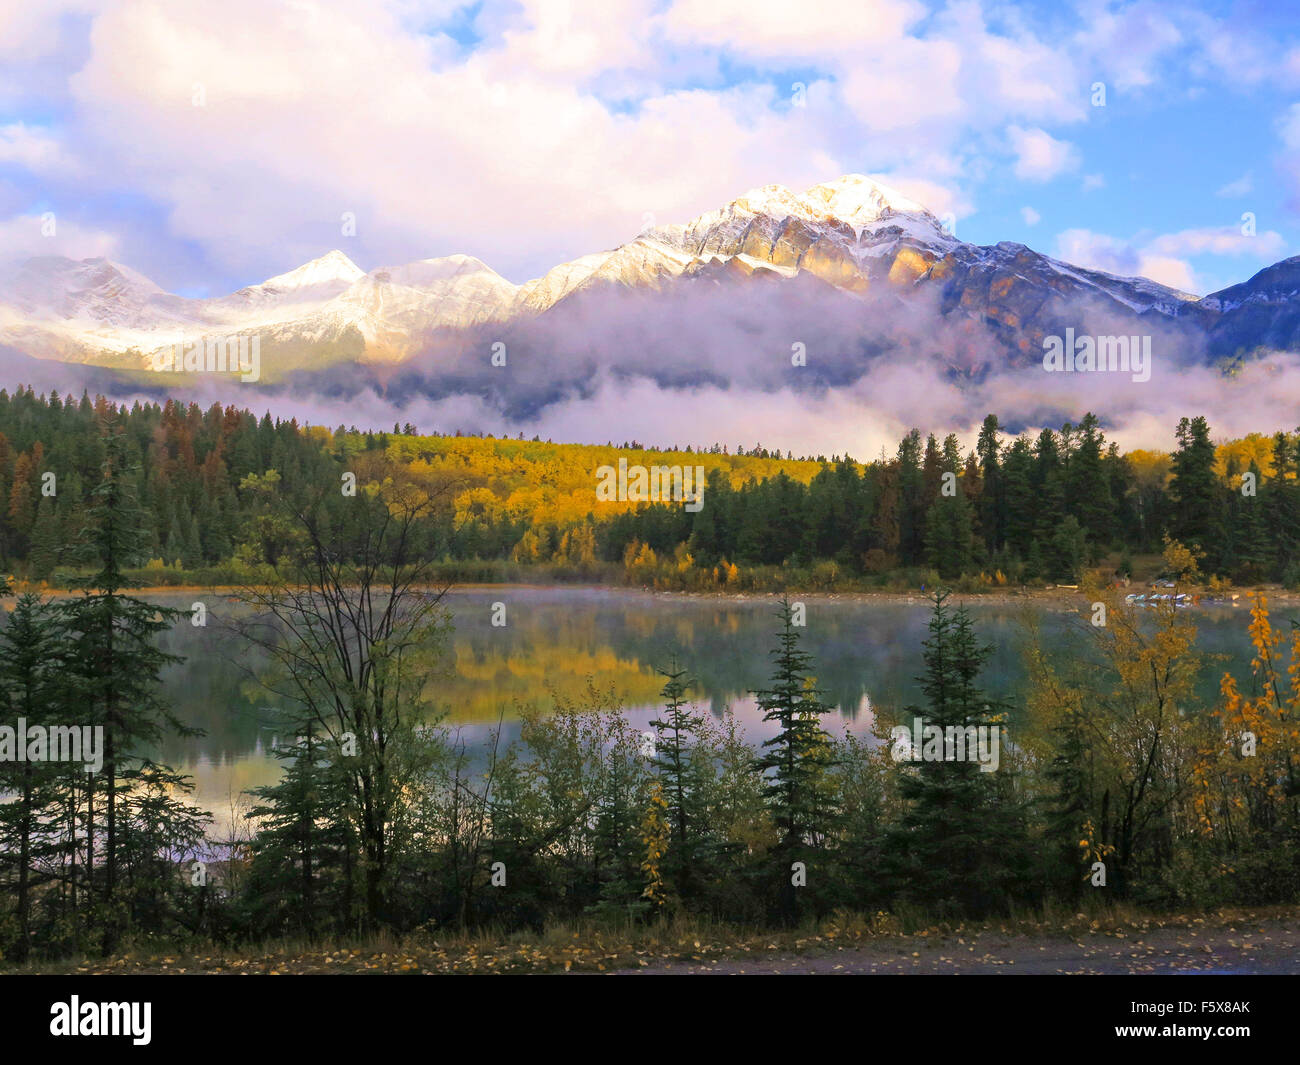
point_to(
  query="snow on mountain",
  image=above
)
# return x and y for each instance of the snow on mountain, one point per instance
(315, 282)
(333, 268)
(394, 308)
(854, 234)
(96, 290)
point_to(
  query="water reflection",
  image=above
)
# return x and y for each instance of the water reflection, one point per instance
(558, 643)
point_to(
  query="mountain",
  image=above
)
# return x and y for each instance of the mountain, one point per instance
(849, 268)
(1263, 312)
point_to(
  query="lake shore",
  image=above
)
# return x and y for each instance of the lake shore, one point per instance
(1059, 596)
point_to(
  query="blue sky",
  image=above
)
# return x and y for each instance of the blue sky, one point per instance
(212, 146)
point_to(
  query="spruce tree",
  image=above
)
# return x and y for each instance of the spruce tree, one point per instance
(1021, 498)
(302, 837)
(28, 690)
(795, 761)
(677, 733)
(912, 500)
(1088, 487)
(949, 530)
(992, 500)
(958, 846)
(113, 661)
(1198, 520)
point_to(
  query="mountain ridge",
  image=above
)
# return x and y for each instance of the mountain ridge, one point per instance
(854, 234)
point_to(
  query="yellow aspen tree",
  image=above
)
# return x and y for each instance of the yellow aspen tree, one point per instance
(1247, 781)
(654, 837)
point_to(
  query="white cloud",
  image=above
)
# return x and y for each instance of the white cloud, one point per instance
(1220, 240)
(25, 236)
(780, 29)
(1163, 257)
(553, 135)
(1039, 155)
(28, 147)
(1031, 217)
(1128, 44)
(1240, 187)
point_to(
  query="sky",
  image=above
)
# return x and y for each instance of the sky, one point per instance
(210, 146)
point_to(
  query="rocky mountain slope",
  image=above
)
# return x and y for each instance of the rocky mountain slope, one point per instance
(850, 266)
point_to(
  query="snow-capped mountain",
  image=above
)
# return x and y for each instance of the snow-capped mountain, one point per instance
(1263, 312)
(857, 249)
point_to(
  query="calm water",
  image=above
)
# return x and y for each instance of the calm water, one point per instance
(557, 642)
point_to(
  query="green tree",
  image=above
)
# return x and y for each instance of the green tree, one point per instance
(299, 869)
(28, 690)
(1198, 500)
(797, 759)
(992, 510)
(677, 733)
(958, 846)
(113, 660)
(1088, 486)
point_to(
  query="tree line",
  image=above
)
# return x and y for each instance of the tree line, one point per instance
(1032, 510)
(1026, 509)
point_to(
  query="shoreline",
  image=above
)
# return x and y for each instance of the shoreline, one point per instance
(1058, 596)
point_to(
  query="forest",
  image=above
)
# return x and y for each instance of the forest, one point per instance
(1012, 510)
(1125, 785)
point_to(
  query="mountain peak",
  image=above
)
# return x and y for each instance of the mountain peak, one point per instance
(857, 198)
(432, 271)
(330, 268)
(85, 273)
(853, 198)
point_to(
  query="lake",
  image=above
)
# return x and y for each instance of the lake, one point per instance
(558, 641)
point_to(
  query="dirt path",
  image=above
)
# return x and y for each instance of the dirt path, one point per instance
(1269, 946)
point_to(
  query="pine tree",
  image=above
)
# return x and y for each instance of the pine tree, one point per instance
(302, 837)
(191, 550)
(949, 531)
(676, 734)
(1088, 487)
(1017, 478)
(1068, 828)
(1250, 553)
(1198, 514)
(113, 661)
(1049, 499)
(46, 540)
(992, 511)
(795, 761)
(958, 846)
(1280, 499)
(912, 501)
(28, 690)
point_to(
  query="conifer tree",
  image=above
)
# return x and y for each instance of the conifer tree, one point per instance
(958, 846)
(677, 733)
(795, 761)
(1198, 513)
(112, 659)
(1088, 487)
(28, 690)
(992, 499)
(303, 829)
